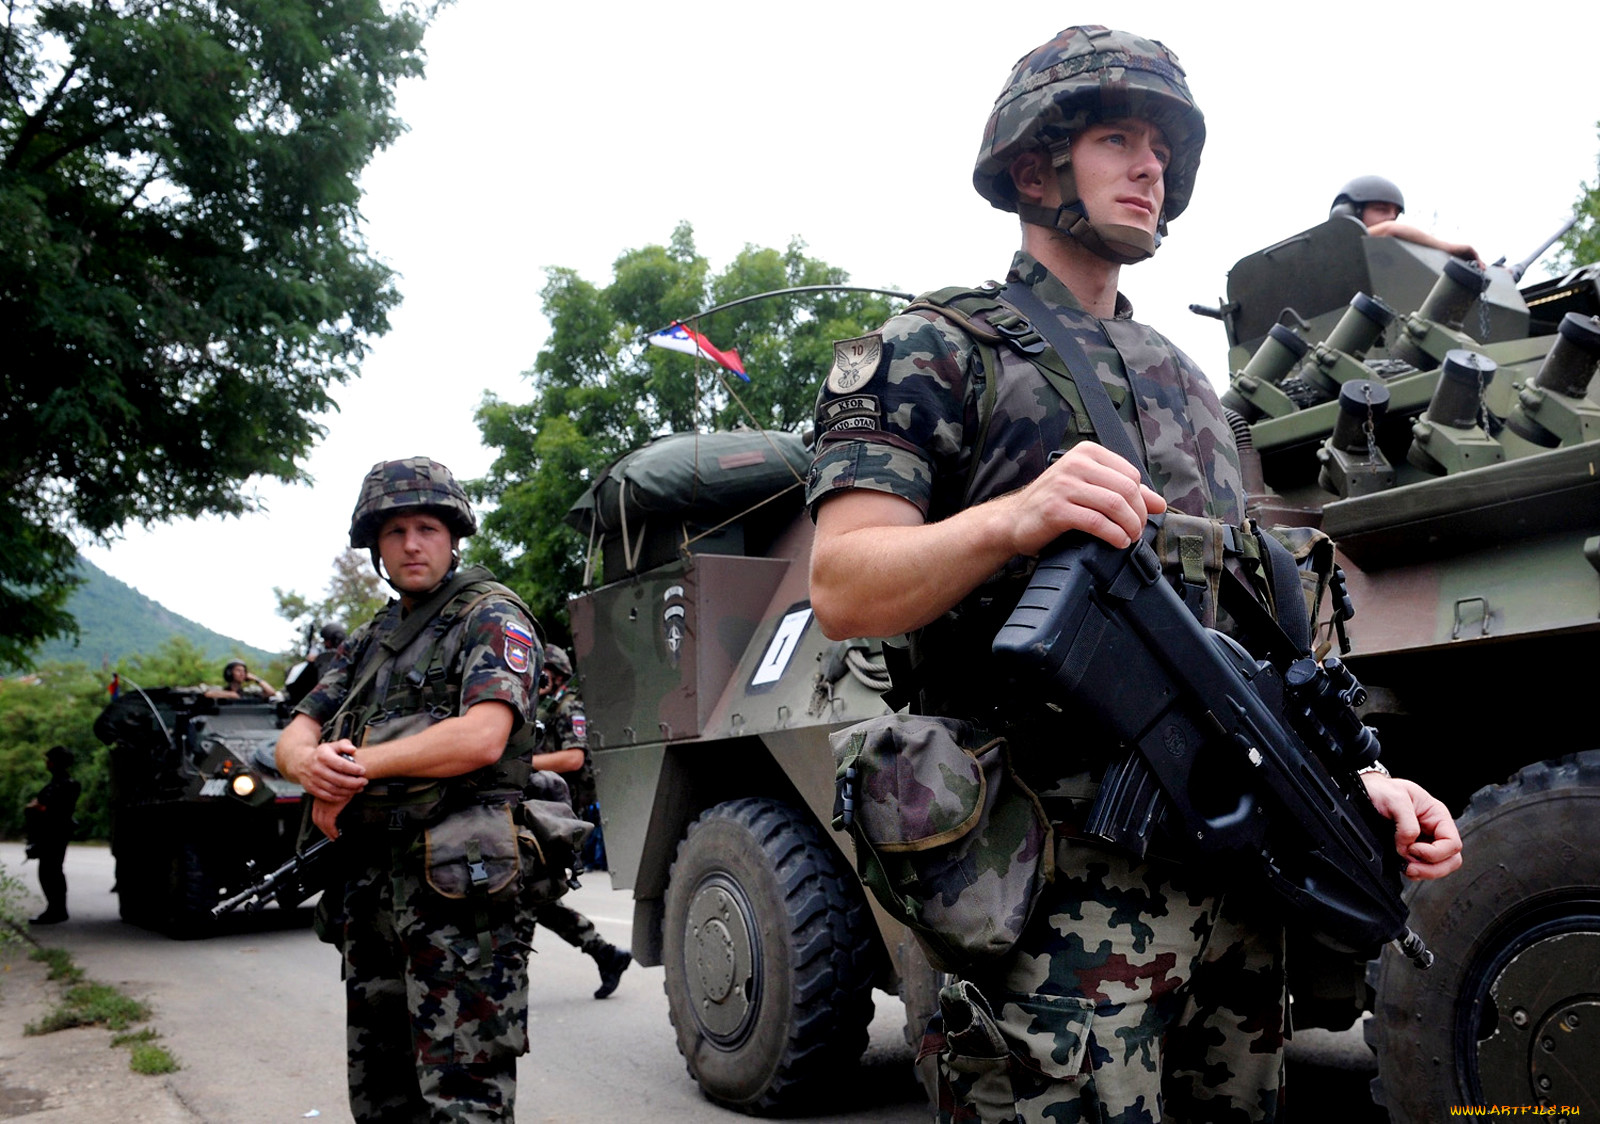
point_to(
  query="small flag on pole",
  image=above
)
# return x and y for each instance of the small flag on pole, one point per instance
(690, 342)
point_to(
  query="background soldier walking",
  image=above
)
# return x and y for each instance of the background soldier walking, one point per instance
(566, 736)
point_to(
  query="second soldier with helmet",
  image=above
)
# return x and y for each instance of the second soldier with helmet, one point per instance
(405, 746)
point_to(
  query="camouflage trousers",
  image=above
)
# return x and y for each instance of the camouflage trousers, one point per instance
(1134, 996)
(570, 925)
(434, 1028)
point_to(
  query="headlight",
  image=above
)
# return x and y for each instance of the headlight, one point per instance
(244, 784)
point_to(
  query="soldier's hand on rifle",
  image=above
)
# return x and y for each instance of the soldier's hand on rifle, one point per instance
(1088, 488)
(325, 814)
(332, 774)
(1424, 831)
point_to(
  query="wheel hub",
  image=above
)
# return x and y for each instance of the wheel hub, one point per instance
(721, 962)
(1547, 1034)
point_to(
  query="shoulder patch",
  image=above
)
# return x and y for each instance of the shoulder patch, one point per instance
(855, 361)
(519, 643)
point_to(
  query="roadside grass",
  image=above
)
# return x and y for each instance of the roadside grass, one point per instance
(87, 1003)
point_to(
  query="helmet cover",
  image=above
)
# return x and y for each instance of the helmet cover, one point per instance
(1083, 76)
(402, 487)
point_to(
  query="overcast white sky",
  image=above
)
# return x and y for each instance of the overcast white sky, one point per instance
(561, 134)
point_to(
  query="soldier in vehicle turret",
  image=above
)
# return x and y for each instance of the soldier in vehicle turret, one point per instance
(1377, 204)
(1139, 990)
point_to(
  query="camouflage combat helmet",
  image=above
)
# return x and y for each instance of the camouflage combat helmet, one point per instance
(1082, 76)
(1354, 196)
(416, 484)
(556, 660)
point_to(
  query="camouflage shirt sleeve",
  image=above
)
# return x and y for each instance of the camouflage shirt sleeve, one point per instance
(894, 411)
(323, 700)
(500, 658)
(571, 728)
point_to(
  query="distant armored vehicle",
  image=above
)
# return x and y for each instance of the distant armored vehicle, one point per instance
(195, 800)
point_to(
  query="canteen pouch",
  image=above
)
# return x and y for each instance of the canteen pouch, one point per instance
(948, 839)
(473, 851)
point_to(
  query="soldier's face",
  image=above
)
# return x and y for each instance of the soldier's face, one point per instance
(1373, 213)
(1119, 168)
(416, 552)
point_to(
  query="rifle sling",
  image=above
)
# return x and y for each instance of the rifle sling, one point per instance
(1108, 427)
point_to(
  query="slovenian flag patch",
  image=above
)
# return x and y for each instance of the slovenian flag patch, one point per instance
(519, 643)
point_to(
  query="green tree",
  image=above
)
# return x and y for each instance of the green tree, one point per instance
(1581, 244)
(182, 271)
(56, 705)
(354, 595)
(599, 390)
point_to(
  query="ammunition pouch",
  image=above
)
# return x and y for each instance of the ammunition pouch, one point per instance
(948, 839)
(405, 805)
(473, 852)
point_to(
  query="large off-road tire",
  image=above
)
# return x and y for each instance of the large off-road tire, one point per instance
(769, 953)
(191, 892)
(1510, 1012)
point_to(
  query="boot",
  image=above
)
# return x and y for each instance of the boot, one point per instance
(56, 916)
(612, 961)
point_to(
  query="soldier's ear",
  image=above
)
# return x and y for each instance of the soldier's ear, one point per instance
(1031, 171)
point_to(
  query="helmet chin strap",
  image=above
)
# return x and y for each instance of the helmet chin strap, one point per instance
(1115, 242)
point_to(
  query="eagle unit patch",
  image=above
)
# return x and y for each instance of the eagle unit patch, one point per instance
(519, 646)
(855, 362)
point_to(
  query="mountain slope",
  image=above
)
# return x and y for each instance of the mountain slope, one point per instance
(116, 620)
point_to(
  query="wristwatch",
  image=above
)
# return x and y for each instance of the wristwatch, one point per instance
(1375, 767)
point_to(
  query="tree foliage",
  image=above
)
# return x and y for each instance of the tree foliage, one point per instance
(354, 595)
(182, 272)
(1581, 244)
(599, 390)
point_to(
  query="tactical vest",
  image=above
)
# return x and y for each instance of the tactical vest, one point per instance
(944, 665)
(407, 679)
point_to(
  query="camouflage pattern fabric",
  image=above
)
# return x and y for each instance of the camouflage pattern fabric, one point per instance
(434, 1028)
(1119, 992)
(486, 656)
(1135, 996)
(572, 927)
(1082, 76)
(566, 727)
(908, 425)
(392, 487)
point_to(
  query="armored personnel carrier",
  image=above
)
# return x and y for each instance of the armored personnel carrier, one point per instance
(195, 801)
(1440, 424)
(1444, 428)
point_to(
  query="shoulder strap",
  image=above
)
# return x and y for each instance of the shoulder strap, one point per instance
(964, 307)
(1108, 427)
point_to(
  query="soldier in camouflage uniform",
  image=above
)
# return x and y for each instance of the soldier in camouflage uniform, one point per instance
(416, 710)
(566, 734)
(1138, 991)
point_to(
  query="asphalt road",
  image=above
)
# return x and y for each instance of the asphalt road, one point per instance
(255, 1017)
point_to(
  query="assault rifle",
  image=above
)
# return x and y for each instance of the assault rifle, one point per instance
(1247, 760)
(302, 875)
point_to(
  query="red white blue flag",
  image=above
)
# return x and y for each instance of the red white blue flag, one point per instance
(691, 342)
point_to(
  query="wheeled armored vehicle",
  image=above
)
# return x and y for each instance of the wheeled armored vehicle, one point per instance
(198, 808)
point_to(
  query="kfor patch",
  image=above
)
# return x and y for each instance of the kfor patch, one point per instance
(854, 411)
(519, 643)
(855, 362)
